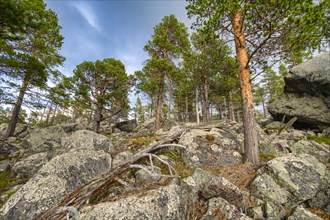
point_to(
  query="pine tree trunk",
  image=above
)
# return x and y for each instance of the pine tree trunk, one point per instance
(49, 112)
(14, 117)
(206, 100)
(197, 111)
(225, 108)
(97, 117)
(54, 114)
(250, 131)
(159, 101)
(43, 113)
(231, 109)
(186, 109)
(263, 107)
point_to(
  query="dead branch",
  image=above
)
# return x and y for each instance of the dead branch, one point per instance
(96, 187)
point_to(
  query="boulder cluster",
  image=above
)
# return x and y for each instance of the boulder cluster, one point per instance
(189, 171)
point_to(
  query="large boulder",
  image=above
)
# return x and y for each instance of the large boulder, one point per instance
(288, 181)
(216, 147)
(311, 111)
(127, 126)
(45, 139)
(213, 186)
(169, 202)
(57, 178)
(306, 94)
(219, 208)
(84, 139)
(311, 77)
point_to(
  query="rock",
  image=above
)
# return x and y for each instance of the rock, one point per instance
(127, 126)
(70, 127)
(306, 95)
(147, 124)
(45, 139)
(288, 181)
(121, 157)
(212, 186)
(311, 77)
(219, 208)
(55, 179)
(20, 128)
(301, 213)
(326, 132)
(90, 140)
(319, 151)
(311, 111)
(27, 167)
(143, 176)
(6, 149)
(4, 165)
(214, 148)
(321, 199)
(169, 202)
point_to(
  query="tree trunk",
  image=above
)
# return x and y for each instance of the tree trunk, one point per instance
(97, 117)
(48, 113)
(197, 111)
(225, 113)
(159, 103)
(206, 100)
(15, 113)
(54, 114)
(186, 109)
(231, 109)
(264, 107)
(250, 131)
(43, 113)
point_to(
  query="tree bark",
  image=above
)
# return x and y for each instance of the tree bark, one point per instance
(14, 117)
(197, 111)
(54, 114)
(250, 131)
(97, 117)
(49, 112)
(186, 109)
(159, 104)
(206, 100)
(231, 108)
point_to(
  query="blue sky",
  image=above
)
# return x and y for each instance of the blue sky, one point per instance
(98, 29)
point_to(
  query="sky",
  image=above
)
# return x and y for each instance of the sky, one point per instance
(98, 29)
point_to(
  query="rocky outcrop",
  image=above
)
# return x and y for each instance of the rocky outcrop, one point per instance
(212, 186)
(289, 181)
(301, 213)
(128, 125)
(84, 139)
(170, 202)
(219, 208)
(217, 147)
(54, 180)
(306, 94)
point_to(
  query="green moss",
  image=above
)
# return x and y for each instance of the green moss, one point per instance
(265, 157)
(320, 139)
(7, 181)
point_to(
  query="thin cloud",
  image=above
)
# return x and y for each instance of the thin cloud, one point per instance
(87, 12)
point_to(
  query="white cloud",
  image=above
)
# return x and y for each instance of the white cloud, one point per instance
(87, 12)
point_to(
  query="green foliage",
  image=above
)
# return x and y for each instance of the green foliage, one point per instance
(101, 84)
(320, 139)
(280, 29)
(139, 110)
